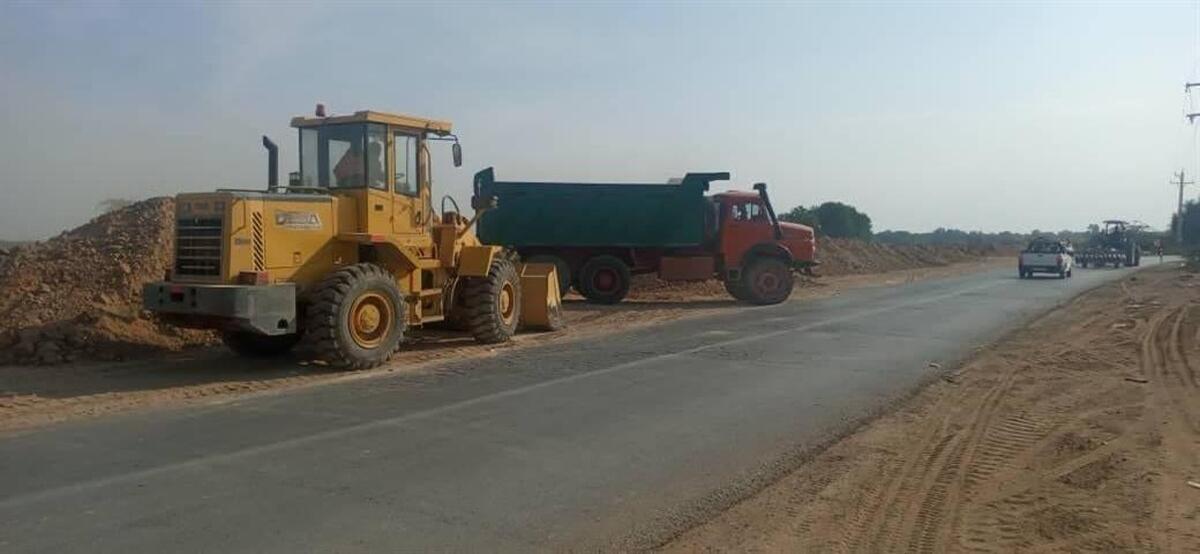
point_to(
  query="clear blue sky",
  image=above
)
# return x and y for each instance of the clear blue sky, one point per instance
(977, 117)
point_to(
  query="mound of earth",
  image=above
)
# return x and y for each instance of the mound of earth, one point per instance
(854, 257)
(78, 295)
(837, 257)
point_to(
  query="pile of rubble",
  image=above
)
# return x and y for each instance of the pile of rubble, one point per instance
(78, 295)
(856, 257)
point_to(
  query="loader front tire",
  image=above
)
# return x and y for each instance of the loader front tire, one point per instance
(356, 317)
(255, 345)
(493, 303)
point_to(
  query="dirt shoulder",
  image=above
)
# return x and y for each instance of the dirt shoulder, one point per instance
(34, 396)
(1079, 432)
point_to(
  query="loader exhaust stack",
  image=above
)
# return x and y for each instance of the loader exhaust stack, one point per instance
(272, 163)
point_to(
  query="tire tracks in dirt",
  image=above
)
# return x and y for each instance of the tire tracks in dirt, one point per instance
(1078, 433)
(1166, 363)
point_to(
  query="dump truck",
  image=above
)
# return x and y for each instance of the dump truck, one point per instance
(1117, 244)
(348, 255)
(598, 235)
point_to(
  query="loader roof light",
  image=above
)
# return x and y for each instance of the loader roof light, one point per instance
(320, 109)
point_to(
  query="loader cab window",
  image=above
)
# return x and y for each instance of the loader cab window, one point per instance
(343, 156)
(309, 171)
(406, 164)
(376, 157)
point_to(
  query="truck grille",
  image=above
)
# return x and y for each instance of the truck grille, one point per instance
(198, 246)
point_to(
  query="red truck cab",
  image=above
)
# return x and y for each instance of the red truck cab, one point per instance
(748, 226)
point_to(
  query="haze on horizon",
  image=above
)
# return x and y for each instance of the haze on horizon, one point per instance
(972, 117)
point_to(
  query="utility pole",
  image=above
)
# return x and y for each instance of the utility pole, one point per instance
(1187, 87)
(1179, 210)
(1191, 117)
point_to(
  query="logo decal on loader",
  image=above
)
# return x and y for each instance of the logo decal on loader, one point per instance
(297, 220)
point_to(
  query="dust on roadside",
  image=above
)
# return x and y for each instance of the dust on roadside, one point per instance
(1080, 432)
(36, 396)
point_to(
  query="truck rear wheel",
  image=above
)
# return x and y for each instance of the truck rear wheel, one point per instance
(356, 317)
(255, 345)
(493, 303)
(604, 280)
(766, 281)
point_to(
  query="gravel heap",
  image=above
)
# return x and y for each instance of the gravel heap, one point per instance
(78, 295)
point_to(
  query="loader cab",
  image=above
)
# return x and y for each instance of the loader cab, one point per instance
(380, 163)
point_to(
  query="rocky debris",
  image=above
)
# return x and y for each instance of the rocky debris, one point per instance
(78, 295)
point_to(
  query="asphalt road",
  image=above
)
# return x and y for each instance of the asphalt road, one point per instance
(617, 442)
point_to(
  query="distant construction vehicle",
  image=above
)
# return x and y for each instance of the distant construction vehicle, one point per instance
(599, 235)
(1116, 244)
(348, 255)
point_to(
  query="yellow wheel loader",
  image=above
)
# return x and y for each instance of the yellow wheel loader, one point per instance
(349, 255)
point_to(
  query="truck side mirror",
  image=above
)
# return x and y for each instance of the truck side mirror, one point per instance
(456, 152)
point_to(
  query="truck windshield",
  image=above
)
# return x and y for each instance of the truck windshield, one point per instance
(1044, 248)
(343, 156)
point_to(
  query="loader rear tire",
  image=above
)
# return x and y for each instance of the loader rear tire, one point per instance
(493, 303)
(766, 281)
(356, 317)
(604, 280)
(255, 345)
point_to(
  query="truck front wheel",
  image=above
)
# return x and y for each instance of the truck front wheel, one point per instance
(734, 289)
(765, 281)
(255, 345)
(356, 317)
(604, 280)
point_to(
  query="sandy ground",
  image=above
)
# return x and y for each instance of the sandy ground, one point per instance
(1077, 433)
(35, 396)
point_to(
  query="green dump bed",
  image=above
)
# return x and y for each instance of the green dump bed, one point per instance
(595, 214)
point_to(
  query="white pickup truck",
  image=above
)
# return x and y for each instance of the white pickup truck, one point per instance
(1046, 255)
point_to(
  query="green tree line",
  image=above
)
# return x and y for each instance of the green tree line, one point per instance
(832, 219)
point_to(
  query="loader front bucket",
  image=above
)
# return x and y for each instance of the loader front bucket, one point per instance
(542, 302)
